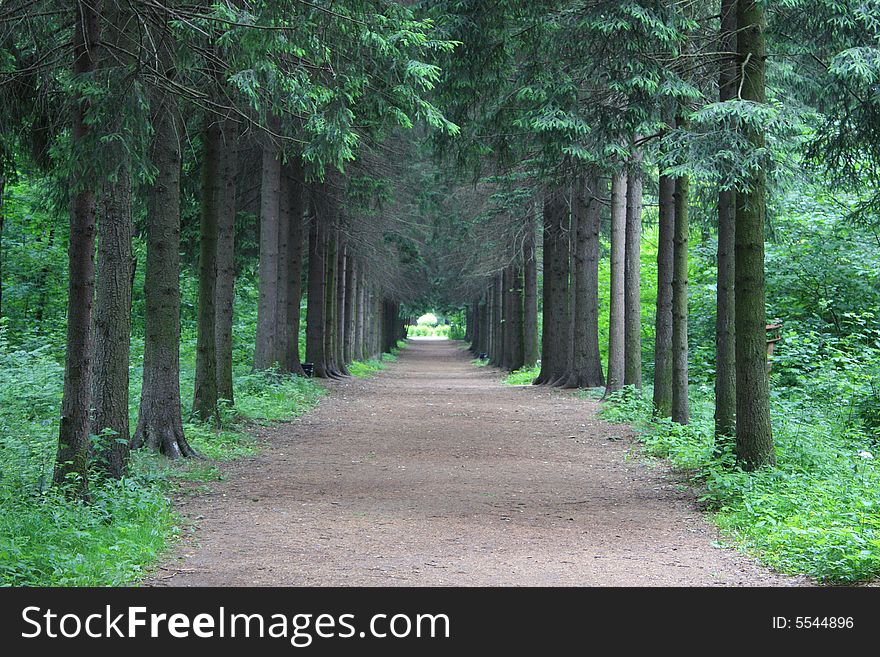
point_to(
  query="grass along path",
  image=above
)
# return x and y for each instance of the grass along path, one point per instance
(47, 540)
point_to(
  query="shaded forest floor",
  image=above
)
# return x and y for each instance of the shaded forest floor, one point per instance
(434, 473)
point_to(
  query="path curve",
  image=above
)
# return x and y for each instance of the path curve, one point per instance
(433, 473)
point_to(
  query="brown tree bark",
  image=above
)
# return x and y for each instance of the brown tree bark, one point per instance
(72, 460)
(160, 423)
(266, 352)
(360, 351)
(530, 296)
(330, 300)
(680, 404)
(568, 376)
(572, 330)
(478, 328)
(754, 433)
(586, 212)
(316, 308)
(282, 329)
(368, 321)
(112, 323)
(350, 308)
(506, 277)
(341, 296)
(554, 345)
(632, 278)
(496, 357)
(487, 295)
(616, 317)
(663, 319)
(115, 271)
(482, 308)
(224, 287)
(725, 329)
(473, 336)
(292, 179)
(517, 345)
(205, 393)
(375, 324)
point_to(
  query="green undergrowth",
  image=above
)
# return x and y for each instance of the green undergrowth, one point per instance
(48, 540)
(391, 357)
(365, 368)
(523, 376)
(816, 513)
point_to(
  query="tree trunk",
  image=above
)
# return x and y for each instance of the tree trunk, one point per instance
(560, 274)
(507, 315)
(315, 311)
(586, 211)
(360, 352)
(282, 328)
(554, 346)
(616, 334)
(330, 301)
(110, 383)
(72, 460)
(680, 405)
(385, 326)
(224, 288)
(487, 322)
(754, 433)
(115, 271)
(725, 330)
(341, 295)
(632, 279)
(568, 378)
(293, 188)
(477, 328)
(350, 308)
(530, 296)
(468, 323)
(663, 319)
(516, 319)
(497, 321)
(205, 394)
(490, 329)
(265, 352)
(376, 324)
(368, 321)
(392, 327)
(571, 329)
(160, 424)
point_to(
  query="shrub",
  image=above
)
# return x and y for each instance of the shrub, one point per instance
(523, 377)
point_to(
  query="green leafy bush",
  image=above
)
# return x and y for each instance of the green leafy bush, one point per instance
(47, 540)
(523, 377)
(422, 331)
(363, 369)
(817, 512)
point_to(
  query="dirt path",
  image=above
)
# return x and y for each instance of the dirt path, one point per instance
(433, 473)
